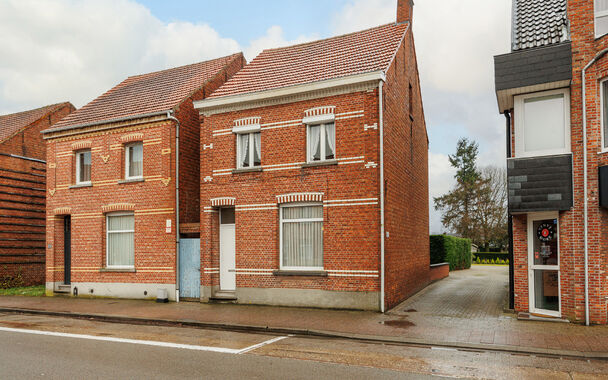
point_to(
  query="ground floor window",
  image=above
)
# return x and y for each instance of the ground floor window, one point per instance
(302, 237)
(120, 245)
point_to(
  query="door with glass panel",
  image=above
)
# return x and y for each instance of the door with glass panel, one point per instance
(543, 259)
(227, 250)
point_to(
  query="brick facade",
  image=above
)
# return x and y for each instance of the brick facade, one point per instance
(22, 198)
(151, 200)
(571, 223)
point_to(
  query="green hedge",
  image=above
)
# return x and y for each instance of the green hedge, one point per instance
(456, 251)
(491, 256)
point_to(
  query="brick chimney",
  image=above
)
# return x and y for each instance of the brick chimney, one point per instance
(405, 10)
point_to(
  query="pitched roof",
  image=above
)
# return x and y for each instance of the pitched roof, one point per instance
(355, 53)
(147, 93)
(12, 123)
(539, 23)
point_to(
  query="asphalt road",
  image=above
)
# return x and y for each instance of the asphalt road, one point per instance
(27, 356)
(46, 347)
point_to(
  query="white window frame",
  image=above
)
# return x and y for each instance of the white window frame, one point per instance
(322, 142)
(251, 150)
(532, 217)
(128, 162)
(78, 168)
(109, 215)
(600, 14)
(520, 127)
(603, 148)
(281, 221)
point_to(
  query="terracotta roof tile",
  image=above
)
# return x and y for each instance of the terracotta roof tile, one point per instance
(12, 123)
(350, 54)
(147, 93)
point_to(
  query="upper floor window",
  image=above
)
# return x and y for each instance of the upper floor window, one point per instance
(542, 123)
(249, 150)
(321, 142)
(134, 160)
(83, 167)
(601, 17)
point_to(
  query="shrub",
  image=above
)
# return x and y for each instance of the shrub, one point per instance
(7, 282)
(491, 255)
(456, 251)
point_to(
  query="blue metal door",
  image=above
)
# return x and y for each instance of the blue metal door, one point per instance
(190, 268)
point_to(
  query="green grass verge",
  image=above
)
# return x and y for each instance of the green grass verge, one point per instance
(30, 291)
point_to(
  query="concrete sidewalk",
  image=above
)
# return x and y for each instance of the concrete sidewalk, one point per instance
(454, 312)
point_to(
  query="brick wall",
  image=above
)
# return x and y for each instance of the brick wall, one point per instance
(351, 232)
(22, 199)
(406, 179)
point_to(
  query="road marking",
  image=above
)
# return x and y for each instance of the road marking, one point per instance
(147, 342)
(256, 346)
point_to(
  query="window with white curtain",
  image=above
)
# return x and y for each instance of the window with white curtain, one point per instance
(134, 160)
(83, 167)
(249, 150)
(302, 237)
(601, 17)
(542, 123)
(321, 142)
(120, 247)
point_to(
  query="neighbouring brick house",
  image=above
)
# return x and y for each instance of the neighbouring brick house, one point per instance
(553, 89)
(22, 188)
(314, 182)
(116, 208)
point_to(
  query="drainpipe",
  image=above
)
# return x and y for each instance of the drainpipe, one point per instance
(586, 205)
(381, 129)
(177, 128)
(510, 224)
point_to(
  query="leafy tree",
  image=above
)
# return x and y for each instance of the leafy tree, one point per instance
(458, 206)
(476, 208)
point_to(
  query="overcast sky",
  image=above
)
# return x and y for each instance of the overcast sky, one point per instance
(58, 50)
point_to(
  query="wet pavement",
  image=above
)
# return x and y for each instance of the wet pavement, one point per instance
(464, 310)
(62, 355)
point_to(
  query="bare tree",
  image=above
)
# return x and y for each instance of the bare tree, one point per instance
(491, 209)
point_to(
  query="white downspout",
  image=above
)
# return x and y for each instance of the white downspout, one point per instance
(381, 129)
(586, 203)
(177, 127)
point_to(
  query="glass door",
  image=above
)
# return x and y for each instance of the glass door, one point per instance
(543, 249)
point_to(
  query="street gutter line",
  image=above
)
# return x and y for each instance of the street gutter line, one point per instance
(147, 342)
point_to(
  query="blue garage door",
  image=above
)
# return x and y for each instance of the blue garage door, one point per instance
(190, 268)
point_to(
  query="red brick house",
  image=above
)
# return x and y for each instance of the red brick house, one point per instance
(314, 183)
(123, 184)
(22, 188)
(553, 90)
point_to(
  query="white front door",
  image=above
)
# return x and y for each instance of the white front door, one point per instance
(227, 250)
(543, 264)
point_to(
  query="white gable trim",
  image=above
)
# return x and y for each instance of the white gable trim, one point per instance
(223, 104)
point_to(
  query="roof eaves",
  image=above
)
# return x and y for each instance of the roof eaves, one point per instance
(289, 90)
(106, 121)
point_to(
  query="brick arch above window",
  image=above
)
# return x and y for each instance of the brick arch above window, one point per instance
(81, 145)
(300, 197)
(132, 137)
(118, 207)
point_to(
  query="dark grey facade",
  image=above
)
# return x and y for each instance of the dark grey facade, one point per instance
(533, 66)
(540, 183)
